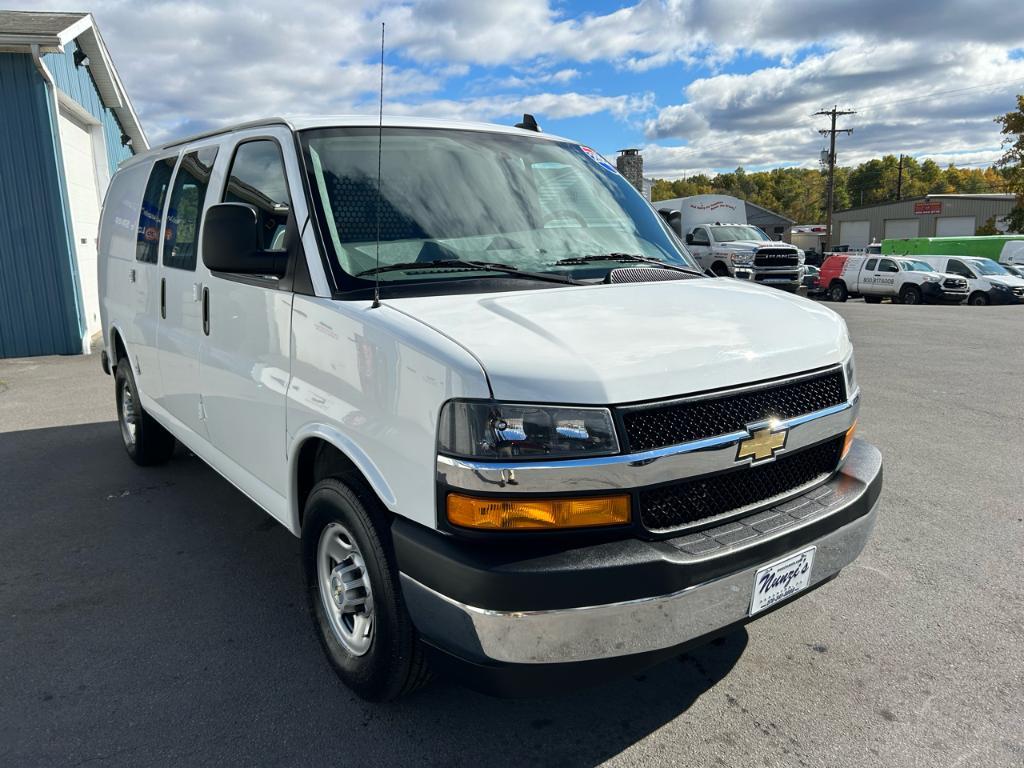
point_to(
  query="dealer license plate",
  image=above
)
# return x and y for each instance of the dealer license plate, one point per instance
(781, 580)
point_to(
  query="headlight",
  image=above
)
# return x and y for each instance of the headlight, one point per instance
(999, 287)
(850, 371)
(932, 279)
(741, 258)
(503, 431)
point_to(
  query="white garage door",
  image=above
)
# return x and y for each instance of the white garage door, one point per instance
(954, 226)
(856, 234)
(83, 196)
(897, 228)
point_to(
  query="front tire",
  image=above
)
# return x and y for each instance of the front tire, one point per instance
(720, 269)
(145, 440)
(910, 294)
(978, 299)
(354, 595)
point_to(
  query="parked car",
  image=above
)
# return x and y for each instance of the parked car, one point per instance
(523, 448)
(1016, 271)
(811, 274)
(718, 236)
(904, 280)
(988, 282)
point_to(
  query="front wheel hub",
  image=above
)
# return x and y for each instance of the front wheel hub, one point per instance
(345, 591)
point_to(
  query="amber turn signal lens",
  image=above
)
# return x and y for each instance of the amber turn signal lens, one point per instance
(536, 514)
(849, 440)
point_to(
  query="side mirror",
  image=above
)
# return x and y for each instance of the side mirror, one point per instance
(231, 242)
(689, 238)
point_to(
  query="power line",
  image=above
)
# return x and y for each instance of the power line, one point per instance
(831, 133)
(926, 96)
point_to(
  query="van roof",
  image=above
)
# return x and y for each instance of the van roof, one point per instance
(306, 122)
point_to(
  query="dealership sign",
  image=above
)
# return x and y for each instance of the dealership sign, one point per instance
(926, 207)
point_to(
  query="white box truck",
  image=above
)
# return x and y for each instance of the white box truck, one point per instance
(716, 232)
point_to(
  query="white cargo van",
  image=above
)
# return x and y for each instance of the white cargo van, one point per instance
(717, 235)
(520, 443)
(987, 281)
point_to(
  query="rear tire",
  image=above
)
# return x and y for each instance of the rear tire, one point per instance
(145, 440)
(910, 294)
(978, 299)
(837, 291)
(354, 595)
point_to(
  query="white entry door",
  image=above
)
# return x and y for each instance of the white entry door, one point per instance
(84, 199)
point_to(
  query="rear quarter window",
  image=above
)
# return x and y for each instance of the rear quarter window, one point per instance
(151, 214)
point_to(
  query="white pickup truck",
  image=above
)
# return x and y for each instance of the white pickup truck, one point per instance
(902, 279)
(718, 236)
(519, 446)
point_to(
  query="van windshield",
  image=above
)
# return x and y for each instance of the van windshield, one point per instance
(989, 267)
(917, 266)
(731, 233)
(446, 195)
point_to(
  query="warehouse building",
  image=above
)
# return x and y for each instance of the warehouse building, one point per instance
(928, 216)
(67, 124)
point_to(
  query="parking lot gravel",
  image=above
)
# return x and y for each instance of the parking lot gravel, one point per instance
(156, 616)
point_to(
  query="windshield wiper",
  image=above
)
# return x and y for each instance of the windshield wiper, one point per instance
(481, 266)
(627, 257)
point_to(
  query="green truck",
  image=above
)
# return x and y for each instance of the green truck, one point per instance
(1004, 249)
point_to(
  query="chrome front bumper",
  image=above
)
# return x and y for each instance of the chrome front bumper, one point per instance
(836, 518)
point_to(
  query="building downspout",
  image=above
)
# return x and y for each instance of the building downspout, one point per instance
(76, 286)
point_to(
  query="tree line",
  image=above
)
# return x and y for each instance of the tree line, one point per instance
(799, 193)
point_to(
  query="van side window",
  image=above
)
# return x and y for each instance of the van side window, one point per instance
(257, 178)
(957, 268)
(186, 208)
(870, 266)
(148, 243)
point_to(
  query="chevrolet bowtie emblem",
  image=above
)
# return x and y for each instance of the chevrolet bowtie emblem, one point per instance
(762, 444)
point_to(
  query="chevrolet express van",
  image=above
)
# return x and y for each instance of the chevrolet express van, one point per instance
(522, 438)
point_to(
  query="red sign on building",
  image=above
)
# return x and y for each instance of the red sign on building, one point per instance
(926, 207)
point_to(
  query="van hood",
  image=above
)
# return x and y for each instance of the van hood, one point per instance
(1008, 280)
(627, 342)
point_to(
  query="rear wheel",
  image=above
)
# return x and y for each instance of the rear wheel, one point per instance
(354, 595)
(146, 441)
(978, 299)
(837, 291)
(910, 294)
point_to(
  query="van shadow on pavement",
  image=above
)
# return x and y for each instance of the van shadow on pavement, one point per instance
(156, 616)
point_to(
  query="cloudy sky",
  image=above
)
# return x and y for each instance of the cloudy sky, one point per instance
(696, 84)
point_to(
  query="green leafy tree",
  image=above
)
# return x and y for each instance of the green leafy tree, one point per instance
(988, 228)
(1012, 161)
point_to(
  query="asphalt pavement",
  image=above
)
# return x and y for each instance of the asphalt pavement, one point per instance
(156, 616)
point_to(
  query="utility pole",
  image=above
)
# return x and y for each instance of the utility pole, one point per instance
(899, 180)
(831, 133)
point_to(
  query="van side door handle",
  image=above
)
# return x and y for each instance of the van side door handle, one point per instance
(163, 298)
(206, 310)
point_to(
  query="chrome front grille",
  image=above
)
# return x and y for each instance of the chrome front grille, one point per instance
(699, 499)
(657, 425)
(776, 257)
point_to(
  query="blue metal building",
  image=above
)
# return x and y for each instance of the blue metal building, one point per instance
(66, 123)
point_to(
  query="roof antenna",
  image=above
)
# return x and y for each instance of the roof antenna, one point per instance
(380, 145)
